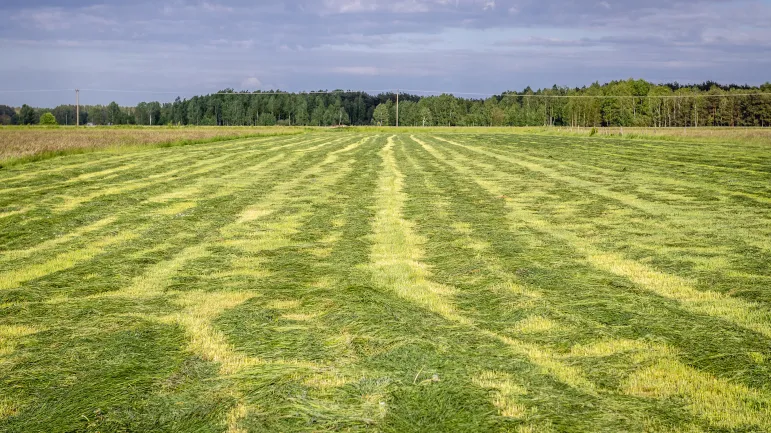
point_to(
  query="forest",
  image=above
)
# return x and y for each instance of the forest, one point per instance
(618, 103)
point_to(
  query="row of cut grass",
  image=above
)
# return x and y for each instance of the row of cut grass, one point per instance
(390, 282)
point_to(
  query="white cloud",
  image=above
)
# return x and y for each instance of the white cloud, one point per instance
(216, 7)
(251, 83)
(58, 19)
(235, 44)
(356, 70)
(398, 6)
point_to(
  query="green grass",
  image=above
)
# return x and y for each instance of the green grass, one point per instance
(425, 280)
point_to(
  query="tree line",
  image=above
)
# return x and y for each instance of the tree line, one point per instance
(618, 103)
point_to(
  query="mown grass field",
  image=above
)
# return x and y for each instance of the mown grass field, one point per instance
(349, 281)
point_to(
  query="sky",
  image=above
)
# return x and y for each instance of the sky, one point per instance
(157, 50)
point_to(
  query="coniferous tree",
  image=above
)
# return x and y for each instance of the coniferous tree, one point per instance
(617, 103)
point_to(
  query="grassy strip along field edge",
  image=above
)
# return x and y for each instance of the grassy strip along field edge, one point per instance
(700, 135)
(121, 148)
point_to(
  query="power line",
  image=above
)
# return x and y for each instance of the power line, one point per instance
(240, 93)
(401, 91)
(131, 91)
(448, 93)
(37, 91)
(321, 92)
(161, 92)
(541, 95)
(695, 95)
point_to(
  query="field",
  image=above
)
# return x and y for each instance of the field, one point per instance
(24, 144)
(374, 280)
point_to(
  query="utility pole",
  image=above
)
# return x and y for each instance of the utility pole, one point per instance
(77, 107)
(397, 108)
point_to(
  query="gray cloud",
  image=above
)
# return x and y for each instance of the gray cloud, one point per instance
(483, 46)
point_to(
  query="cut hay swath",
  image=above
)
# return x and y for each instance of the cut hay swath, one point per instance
(387, 281)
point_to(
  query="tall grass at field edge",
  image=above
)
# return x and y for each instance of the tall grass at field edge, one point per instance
(13, 161)
(731, 135)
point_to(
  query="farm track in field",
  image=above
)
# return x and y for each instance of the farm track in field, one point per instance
(389, 282)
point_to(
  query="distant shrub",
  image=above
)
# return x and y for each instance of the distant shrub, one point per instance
(593, 131)
(267, 119)
(48, 119)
